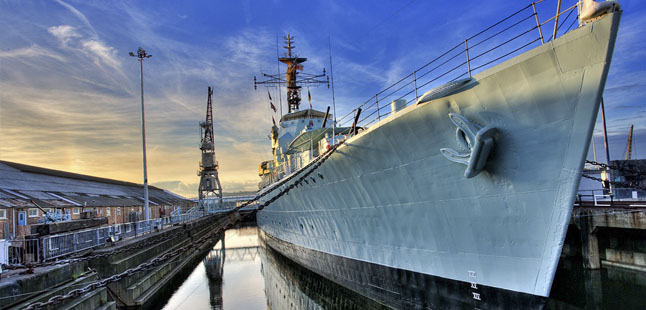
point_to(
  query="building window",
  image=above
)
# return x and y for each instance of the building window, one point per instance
(33, 212)
(76, 210)
(49, 210)
(101, 211)
(3, 214)
(107, 211)
(118, 211)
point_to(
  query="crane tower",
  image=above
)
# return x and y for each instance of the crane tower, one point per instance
(209, 181)
(629, 147)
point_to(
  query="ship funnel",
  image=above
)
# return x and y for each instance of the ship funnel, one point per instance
(397, 105)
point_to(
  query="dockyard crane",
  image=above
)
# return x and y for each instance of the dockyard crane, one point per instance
(209, 181)
(629, 147)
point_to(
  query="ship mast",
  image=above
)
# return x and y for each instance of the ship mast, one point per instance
(293, 80)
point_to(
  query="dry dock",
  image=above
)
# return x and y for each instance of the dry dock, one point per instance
(613, 236)
(129, 274)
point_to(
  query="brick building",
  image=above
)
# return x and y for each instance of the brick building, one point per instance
(66, 195)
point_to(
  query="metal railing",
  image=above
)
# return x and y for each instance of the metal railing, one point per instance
(55, 246)
(212, 205)
(497, 43)
(601, 197)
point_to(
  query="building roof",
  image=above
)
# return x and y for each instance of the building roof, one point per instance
(19, 184)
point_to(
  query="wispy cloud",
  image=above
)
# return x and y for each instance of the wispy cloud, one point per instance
(32, 51)
(78, 14)
(64, 33)
(103, 54)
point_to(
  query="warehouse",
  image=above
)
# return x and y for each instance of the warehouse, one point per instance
(66, 196)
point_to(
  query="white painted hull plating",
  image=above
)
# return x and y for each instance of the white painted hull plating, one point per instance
(389, 197)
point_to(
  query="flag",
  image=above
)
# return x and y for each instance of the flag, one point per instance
(309, 97)
(299, 67)
(273, 107)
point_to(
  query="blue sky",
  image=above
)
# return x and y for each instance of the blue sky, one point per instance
(69, 92)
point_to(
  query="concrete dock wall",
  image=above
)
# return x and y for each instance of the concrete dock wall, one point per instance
(610, 236)
(168, 248)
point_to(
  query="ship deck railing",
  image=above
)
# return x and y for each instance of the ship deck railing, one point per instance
(501, 41)
(620, 197)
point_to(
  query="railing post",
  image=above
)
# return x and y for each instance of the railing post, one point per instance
(415, 81)
(466, 45)
(377, 102)
(538, 24)
(556, 22)
(44, 247)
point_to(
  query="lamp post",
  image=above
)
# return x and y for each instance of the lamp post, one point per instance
(141, 55)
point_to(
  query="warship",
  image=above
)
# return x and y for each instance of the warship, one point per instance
(469, 185)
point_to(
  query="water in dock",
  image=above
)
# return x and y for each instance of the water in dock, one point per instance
(241, 272)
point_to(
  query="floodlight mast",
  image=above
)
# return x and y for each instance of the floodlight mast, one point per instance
(141, 55)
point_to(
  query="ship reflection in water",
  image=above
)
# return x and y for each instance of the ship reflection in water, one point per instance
(228, 277)
(243, 272)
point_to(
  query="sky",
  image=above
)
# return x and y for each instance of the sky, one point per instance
(70, 96)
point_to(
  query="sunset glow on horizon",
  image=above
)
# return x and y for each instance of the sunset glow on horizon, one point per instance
(70, 97)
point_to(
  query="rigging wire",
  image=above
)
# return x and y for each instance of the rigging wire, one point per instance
(329, 45)
(280, 96)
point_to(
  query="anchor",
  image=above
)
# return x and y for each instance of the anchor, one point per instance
(476, 139)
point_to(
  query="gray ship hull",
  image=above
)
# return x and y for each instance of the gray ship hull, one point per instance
(389, 196)
(363, 285)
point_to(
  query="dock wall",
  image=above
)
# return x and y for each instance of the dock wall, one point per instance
(137, 290)
(608, 236)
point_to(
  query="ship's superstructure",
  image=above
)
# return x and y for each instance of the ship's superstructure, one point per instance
(473, 181)
(300, 135)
